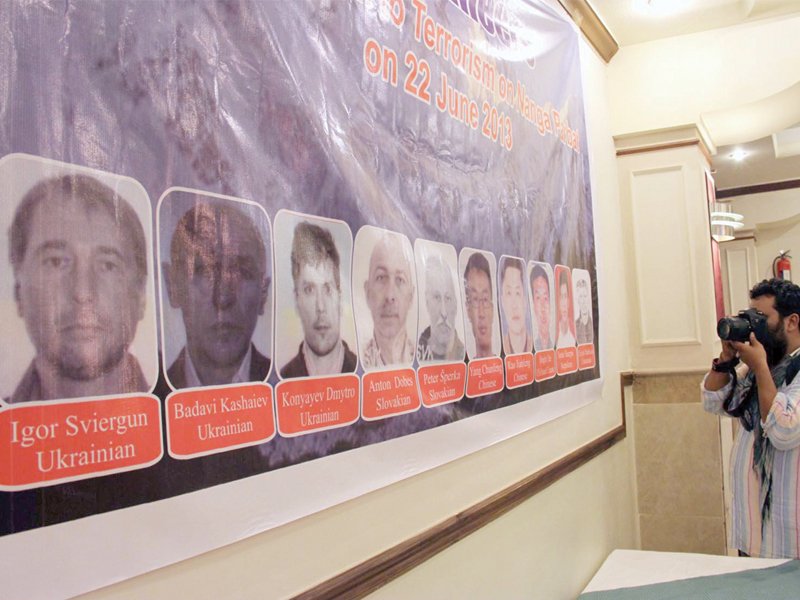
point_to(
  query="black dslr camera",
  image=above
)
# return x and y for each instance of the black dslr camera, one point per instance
(738, 329)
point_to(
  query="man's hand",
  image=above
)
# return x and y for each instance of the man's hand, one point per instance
(728, 352)
(715, 380)
(755, 357)
(752, 354)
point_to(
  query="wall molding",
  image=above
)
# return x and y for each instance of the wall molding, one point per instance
(760, 188)
(375, 572)
(668, 342)
(667, 146)
(641, 197)
(592, 27)
(667, 138)
(739, 260)
(630, 376)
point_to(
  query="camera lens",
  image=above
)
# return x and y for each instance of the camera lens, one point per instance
(734, 329)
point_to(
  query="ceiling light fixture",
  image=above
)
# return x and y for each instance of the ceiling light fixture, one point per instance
(739, 154)
(724, 222)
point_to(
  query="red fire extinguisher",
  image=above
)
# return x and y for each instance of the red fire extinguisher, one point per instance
(782, 266)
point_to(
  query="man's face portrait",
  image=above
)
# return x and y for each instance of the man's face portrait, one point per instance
(541, 305)
(218, 280)
(512, 300)
(563, 304)
(583, 299)
(776, 341)
(441, 303)
(480, 307)
(318, 298)
(78, 287)
(390, 288)
(314, 320)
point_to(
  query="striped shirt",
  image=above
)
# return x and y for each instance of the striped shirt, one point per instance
(781, 536)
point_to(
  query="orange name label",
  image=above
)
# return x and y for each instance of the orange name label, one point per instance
(214, 419)
(44, 443)
(519, 370)
(586, 359)
(566, 360)
(442, 383)
(545, 364)
(485, 376)
(305, 405)
(388, 393)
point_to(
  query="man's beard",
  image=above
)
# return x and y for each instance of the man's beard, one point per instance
(775, 345)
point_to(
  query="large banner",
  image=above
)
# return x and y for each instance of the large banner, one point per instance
(244, 236)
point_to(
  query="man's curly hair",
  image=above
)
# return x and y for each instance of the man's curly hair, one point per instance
(786, 294)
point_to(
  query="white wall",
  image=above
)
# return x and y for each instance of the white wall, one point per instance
(547, 548)
(666, 88)
(766, 208)
(671, 82)
(775, 219)
(772, 241)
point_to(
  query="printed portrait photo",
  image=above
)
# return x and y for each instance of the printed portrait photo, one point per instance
(515, 311)
(78, 299)
(315, 330)
(384, 298)
(564, 309)
(441, 320)
(540, 278)
(582, 293)
(478, 269)
(216, 274)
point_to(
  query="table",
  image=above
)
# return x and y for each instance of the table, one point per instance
(631, 568)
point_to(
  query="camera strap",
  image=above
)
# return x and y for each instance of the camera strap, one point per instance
(740, 396)
(735, 404)
(793, 368)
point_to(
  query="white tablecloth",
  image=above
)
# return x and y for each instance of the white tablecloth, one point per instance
(630, 568)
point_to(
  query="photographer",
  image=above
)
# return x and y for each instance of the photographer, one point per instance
(764, 395)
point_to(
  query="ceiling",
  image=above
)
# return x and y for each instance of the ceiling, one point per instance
(638, 21)
(760, 166)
